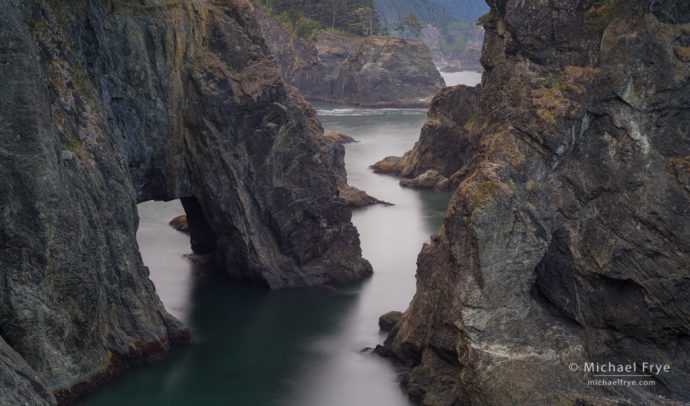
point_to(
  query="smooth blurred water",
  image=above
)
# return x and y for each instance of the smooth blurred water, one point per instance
(294, 347)
(465, 77)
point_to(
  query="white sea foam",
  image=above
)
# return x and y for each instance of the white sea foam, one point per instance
(360, 112)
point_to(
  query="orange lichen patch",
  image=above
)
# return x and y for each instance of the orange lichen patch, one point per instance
(553, 97)
(481, 193)
(481, 188)
(550, 103)
(470, 122)
(503, 145)
(581, 71)
(683, 53)
(579, 75)
(679, 163)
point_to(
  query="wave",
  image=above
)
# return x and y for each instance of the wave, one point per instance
(354, 112)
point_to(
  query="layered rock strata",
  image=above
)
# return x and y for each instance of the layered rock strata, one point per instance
(110, 103)
(566, 241)
(352, 70)
(438, 160)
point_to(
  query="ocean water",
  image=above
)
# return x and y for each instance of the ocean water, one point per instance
(296, 347)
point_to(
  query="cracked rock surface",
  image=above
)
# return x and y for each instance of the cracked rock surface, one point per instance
(107, 104)
(567, 238)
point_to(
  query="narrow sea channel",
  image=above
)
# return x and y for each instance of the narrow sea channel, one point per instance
(295, 347)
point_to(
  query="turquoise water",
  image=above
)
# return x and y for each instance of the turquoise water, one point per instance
(296, 347)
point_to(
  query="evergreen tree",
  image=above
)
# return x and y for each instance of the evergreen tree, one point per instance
(409, 26)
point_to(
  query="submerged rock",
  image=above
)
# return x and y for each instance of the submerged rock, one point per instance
(566, 241)
(107, 104)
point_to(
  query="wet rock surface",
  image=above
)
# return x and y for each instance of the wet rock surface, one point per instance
(107, 104)
(565, 241)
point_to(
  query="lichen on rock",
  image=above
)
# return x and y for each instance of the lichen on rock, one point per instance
(566, 240)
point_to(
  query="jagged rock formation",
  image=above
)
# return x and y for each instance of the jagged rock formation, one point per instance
(353, 196)
(567, 239)
(19, 383)
(332, 150)
(348, 69)
(106, 104)
(448, 55)
(437, 160)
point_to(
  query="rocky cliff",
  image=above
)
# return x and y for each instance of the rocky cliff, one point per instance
(438, 160)
(451, 29)
(110, 103)
(566, 241)
(353, 70)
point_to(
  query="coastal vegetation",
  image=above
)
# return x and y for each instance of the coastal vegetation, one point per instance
(353, 16)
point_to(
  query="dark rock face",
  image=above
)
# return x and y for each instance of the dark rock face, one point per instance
(106, 104)
(353, 70)
(567, 239)
(438, 160)
(74, 293)
(389, 320)
(380, 72)
(332, 148)
(19, 383)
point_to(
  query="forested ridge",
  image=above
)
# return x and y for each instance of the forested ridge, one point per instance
(305, 16)
(456, 20)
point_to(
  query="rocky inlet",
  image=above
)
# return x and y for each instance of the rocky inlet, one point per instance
(107, 104)
(566, 240)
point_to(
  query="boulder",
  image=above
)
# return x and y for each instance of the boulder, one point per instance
(389, 320)
(179, 223)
